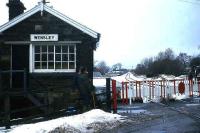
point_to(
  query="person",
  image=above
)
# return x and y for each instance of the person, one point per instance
(85, 88)
(190, 76)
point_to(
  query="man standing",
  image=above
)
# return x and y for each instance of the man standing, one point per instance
(86, 89)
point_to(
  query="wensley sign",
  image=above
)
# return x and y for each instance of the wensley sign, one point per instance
(44, 37)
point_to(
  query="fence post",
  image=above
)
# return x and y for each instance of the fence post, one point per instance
(7, 110)
(0, 81)
(136, 91)
(161, 88)
(174, 87)
(150, 90)
(199, 86)
(192, 84)
(191, 88)
(131, 93)
(153, 89)
(126, 93)
(164, 88)
(11, 79)
(108, 95)
(140, 95)
(25, 80)
(122, 92)
(114, 96)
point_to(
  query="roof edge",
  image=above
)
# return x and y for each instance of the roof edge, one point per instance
(19, 18)
(42, 7)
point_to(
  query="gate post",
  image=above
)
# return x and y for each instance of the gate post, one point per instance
(161, 88)
(198, 86)
(192, 84)
(191, 88)
(108, 96)
(150, 90)
(164, 88)
(174, 87)
(126, 93)
(136, 89)
(140, 95)
(122, 92)
(114, 96)
(153, 89)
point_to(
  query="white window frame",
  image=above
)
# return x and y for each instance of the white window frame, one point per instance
(32, 59)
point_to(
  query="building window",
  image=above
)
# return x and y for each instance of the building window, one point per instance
(54, 58)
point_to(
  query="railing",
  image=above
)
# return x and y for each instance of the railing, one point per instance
(36, 117)
(52, 110)
(9, 84)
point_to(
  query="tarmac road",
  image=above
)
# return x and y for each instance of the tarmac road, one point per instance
(175, 117)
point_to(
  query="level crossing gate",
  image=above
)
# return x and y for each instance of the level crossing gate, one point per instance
(146, 90)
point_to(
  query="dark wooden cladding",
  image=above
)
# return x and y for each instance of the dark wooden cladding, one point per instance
(51, 90)
(50, 24)
(52, 81)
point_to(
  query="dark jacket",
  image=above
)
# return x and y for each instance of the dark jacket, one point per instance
(85, 85)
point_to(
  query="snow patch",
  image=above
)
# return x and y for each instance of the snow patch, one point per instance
(192, 104)
(77, 123)
(179, 96)
(138, 111)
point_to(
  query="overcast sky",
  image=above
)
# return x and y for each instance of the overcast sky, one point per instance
(132, 29)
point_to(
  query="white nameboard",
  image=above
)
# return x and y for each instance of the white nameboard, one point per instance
(44, 37)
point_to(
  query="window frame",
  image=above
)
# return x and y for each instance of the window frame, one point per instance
(54, 70)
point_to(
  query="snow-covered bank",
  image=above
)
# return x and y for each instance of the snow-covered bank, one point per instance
(91, 121)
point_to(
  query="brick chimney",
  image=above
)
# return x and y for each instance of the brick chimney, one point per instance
(16, 7)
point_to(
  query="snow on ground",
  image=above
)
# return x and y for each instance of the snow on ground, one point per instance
(86, 122)
(179, 96)
(99, 82)
(192, 104)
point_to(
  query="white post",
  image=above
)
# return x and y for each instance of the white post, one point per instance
(129, 93)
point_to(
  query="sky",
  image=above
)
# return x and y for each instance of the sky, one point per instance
(132, 30)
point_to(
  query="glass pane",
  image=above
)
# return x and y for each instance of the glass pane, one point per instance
(65, 57)
(58, 49)
(44, 49)
(71, 57)
(44, 57)
(51, 49)
(44, 65)
(37, 65)
(50, 65)
(37, 57)
(50, 57)
(58, 57)
(71, 65)
(58, 65)
(64, 65)
(37, 49)
(71, 49)
(65, 49)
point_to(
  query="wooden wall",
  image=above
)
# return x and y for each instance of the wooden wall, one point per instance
(51, 25)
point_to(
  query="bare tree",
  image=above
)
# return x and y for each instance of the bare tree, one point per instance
(102, 67)
(117, 66)
(184, 59)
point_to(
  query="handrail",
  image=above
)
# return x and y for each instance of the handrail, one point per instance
(8, 71)
(10, 77)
